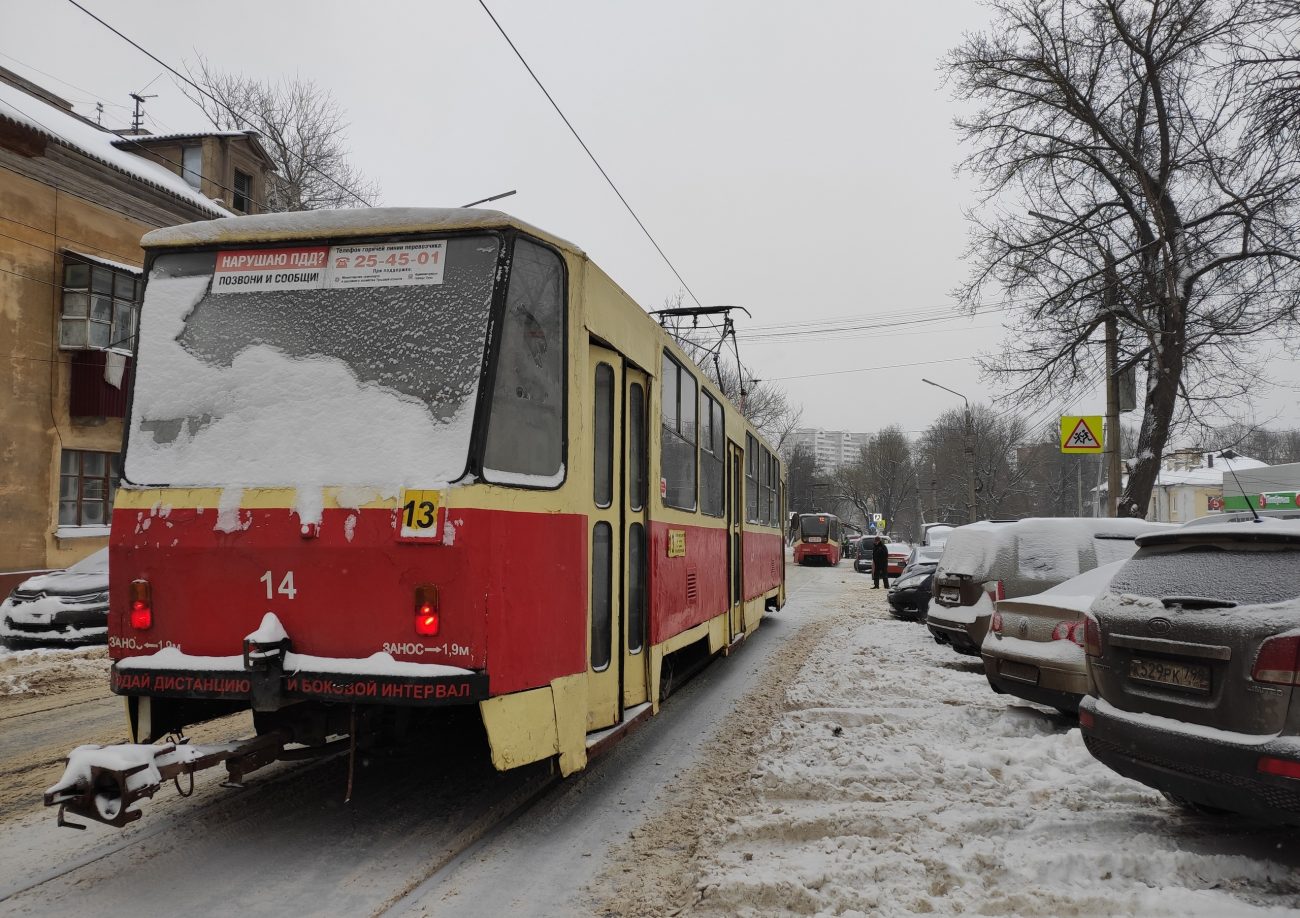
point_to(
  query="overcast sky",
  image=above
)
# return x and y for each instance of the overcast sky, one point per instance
(794, 159)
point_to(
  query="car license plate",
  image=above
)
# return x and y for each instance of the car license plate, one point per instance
(953, 596)
(811, 539)
(1187, 676)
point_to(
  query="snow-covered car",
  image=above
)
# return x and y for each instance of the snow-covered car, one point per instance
(935, 533)
(1194, 652)
(898, 552)
(1034, 648)
(64, 607)
(992, 560)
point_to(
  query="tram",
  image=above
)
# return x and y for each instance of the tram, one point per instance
(817, 538)
(398, 461)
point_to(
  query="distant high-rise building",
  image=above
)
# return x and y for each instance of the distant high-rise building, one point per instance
(830, 448)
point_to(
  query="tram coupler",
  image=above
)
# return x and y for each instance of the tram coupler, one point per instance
(264, 663)
(100, 783)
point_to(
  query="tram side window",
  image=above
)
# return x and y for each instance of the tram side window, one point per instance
(774, 485)
(677, 449)
(712, 436)
(751, 478)
(764, 469)
(525, 438)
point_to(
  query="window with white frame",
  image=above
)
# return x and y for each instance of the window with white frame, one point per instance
(100, 306)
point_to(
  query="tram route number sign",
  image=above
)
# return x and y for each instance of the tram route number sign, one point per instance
(387, 264)
(420, 515)
(1081, 434)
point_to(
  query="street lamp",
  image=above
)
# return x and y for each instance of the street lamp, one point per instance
(969, 450)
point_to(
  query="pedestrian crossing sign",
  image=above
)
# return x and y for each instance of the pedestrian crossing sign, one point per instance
(1081, 434)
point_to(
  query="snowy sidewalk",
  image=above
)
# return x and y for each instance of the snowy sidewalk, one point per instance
(896, 782)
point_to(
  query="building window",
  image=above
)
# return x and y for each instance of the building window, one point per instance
(100, 306)
(192, 166)
(87, 486)
(243, 192)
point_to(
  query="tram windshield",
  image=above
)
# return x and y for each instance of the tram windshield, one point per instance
(311, 365)
(819, 525)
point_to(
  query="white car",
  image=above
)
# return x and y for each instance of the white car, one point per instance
(61, 607)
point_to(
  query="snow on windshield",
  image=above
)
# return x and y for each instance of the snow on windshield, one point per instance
(309, 388)
(1242, 575)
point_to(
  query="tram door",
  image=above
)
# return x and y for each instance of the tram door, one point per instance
(636, 542)
(617, 668)
(735, 539)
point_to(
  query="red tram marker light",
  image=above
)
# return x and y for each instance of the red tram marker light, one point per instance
(141, 605)
(428, 615)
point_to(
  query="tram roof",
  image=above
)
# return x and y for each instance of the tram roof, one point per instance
(340, 224)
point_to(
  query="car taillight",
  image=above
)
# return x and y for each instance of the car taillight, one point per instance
(995, 623)
(1070, 631)
(1283, 768)
(427, 614)
(1091, 636)
(1086, 720)
(1278, 661)
(995, 590)
(141, 605)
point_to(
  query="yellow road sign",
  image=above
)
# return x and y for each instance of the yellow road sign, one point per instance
(1081, 434)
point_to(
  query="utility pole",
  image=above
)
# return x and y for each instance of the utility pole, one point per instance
(1113, 476)
(969, 451)
(137, 119)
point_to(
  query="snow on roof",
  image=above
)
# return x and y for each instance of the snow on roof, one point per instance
(1205, 474)
(96, 143)
(1053, 543)
(1237, 525)
(334, 224)
(128, 141)
(106, 262)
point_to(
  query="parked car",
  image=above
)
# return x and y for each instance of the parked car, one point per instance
(1034, 648)
(64, 607)
(922, 554)
(992, 560)
(909, 595)
(935, 533)
(898, 553)
(1194, 652)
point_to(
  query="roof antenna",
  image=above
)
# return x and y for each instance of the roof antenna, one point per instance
(1230, 455)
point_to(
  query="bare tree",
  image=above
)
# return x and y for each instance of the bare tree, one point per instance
(1002, 485)
(1120, 186)
(883, 480)
(303, 130)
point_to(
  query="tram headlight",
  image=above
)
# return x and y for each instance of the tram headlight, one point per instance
(141, 605)
(428, 615)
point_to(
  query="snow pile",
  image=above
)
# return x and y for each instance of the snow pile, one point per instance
(897, 783)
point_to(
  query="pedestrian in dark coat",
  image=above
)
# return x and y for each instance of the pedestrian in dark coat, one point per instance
(879, 563)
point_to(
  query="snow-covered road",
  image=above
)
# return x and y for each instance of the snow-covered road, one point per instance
(839, 764)
(895, 782)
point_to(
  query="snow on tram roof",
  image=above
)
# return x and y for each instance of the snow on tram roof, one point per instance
(337, 224)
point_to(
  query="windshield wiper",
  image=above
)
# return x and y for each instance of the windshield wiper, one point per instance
(1196, 602)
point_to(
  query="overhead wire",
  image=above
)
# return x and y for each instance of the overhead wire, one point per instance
(587, 150)
(223, 104)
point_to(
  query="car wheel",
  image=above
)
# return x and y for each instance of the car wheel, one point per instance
(1191, 806)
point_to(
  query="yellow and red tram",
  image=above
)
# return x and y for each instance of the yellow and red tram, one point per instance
(422, 458)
